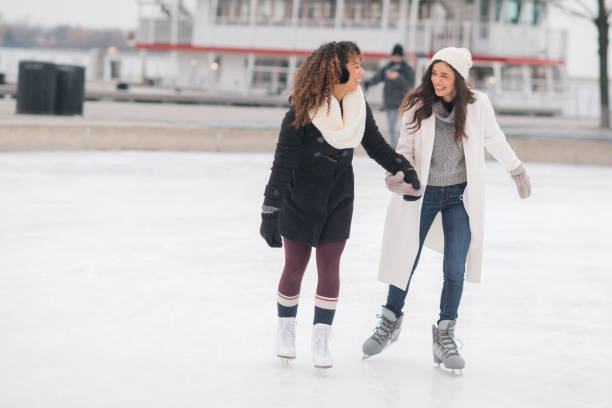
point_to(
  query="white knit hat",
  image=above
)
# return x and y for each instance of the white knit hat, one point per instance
(458, 58)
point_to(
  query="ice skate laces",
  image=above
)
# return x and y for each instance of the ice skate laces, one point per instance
(384, 329)
(446, 340)
(288, 332)
(322, 342)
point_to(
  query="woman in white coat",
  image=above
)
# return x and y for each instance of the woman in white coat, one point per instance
(445, 128)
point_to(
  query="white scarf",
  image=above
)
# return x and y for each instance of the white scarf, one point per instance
(342, 131)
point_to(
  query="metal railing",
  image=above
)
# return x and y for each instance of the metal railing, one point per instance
(159, 31)
(489, 39)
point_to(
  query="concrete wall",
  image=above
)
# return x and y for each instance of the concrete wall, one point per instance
(116, 137)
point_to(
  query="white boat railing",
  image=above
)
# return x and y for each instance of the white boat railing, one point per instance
(492, 39)
(159, 31)
(495, 39)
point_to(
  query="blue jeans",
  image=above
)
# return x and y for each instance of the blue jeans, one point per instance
(456, 226)
(392, 115)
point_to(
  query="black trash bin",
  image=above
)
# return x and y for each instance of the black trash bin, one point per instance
(36, 87)
(70, 91)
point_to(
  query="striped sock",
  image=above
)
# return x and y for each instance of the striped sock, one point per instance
(325, 309)
(287, 305)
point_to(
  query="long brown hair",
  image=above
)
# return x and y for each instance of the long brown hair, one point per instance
(316, 77)
(424, 97)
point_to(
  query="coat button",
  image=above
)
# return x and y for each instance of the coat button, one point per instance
(320, 139)
(276, 193)
(398, 160)
(317, 154)
(344, 153)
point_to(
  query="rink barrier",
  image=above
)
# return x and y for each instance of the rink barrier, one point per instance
(21, 137)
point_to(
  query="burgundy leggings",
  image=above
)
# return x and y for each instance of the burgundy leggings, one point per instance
(328, 267)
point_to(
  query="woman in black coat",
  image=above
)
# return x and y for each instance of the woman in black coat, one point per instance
(309, 196)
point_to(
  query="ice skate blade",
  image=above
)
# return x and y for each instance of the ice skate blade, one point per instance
(286, 359)
(366, 356)
(453, 372)
(324, 367)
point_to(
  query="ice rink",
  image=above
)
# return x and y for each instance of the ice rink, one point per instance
(138, 279)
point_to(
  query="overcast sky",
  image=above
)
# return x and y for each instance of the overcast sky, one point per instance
(102, 13)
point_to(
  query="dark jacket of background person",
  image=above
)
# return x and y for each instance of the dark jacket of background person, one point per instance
(394, 89)
(312, 182)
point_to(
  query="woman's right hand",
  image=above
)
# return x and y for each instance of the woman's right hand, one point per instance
(523, 183)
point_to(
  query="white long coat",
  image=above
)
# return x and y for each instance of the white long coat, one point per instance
(401, 235)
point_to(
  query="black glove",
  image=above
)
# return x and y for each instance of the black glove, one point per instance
(270, 230)
(411, 198)
(410, 177)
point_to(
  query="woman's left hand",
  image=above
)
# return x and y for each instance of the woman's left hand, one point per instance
(396, 184)
(523, 184)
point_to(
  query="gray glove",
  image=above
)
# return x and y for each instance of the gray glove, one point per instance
(523, 184)
(396, 184)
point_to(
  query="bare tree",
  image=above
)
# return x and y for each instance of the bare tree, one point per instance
(601, 19)
(62, 36)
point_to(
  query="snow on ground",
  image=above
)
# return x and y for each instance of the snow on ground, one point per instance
(138, 279)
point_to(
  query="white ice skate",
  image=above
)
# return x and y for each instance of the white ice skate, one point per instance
(321, 356)
(285, 338)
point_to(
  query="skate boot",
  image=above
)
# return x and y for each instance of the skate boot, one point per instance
(444, 346)
(285, 338)
(321, 356)
(387, 331)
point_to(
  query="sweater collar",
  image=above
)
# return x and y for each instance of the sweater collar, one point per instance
(442, 114)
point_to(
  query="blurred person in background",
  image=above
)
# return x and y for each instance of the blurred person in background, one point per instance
(445, 128)
(398, 77)
(309, 196)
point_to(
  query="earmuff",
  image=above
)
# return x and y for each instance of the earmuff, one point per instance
(344, 76)
(344, 72)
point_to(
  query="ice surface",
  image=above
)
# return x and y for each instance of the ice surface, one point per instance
(140, 280)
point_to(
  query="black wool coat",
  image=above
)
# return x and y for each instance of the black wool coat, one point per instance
(312, 182)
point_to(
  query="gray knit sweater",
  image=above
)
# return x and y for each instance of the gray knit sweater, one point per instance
(447, 160)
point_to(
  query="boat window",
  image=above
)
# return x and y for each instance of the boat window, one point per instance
(527, 13)
(485, 6)
(538, 78)
(498, 9)
(273, 12)
(362, 13)
(512, 78)
(233, 12)
(394, 13)
(270, 75)
(321, 13)
(557, 77)
(531, 12)
(513, 12)
(482, 77)
(271, 62)
(538, 12)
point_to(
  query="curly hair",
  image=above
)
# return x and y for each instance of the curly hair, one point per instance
(424, 96)
(316, 77)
